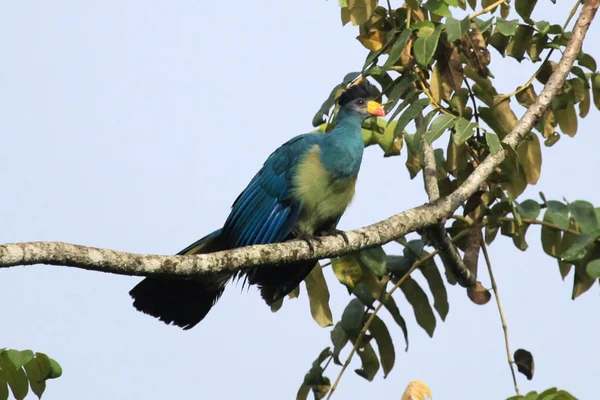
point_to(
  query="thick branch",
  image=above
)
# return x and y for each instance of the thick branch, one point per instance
(437, 233)
(55, 253)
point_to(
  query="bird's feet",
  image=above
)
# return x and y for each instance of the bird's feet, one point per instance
(342, 234)
(308, 239)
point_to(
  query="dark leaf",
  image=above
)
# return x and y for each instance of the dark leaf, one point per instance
(370, 363)
(524, 361)
(582, 282)
(382, 337)
(520, 42)
(529, 209)
(580, 248)
(391, 306)
(524, 9)
(437, 287)
(3, 388)
(420, 303)
(339, 340)
(374, 258)
(397, 48)
(584, 214)
(353, 318)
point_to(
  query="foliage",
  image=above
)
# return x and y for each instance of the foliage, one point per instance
(433, 63)
(22, 370)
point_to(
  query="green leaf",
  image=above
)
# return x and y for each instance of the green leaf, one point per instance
(456, 29)
(585, 215)
(493, 142)
(303, 392)
(387, 354)
(593, 269)
(375, 259)
(520, 42)
(558, 214)
(438, 7)
(463, 130)
(596, 89)
(339, 338)
(392, 308)
(426, 43)
(587, 61)
(582, 282)
(507, 28)
(567, 119)
(38, 369)
(436, 284)
(542, 26)
(420, 303)
(410, 114)
(524, 9)
(580, 248)
(439, 126)
(318, 295)
(353, 318)
(529, 209)
(3, 388)
(482, 25)
(16, 379)
(347, 270)
(397, 48)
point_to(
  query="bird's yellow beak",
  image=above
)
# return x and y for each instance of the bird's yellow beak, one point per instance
(374, 108)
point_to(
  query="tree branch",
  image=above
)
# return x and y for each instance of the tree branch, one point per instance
(437, 233)
(56, 253)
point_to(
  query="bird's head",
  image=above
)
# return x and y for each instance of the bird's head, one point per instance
(359, 99)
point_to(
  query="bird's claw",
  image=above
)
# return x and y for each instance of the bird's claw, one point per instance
(309, 240)
(342, 234)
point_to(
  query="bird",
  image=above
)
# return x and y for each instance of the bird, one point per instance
(300, 193)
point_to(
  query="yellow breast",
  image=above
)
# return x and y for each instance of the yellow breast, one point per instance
(323, 198)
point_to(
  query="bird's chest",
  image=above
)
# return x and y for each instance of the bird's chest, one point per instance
(323, 195)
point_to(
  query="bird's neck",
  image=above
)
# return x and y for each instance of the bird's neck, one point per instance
(343, 150)
(348, 122)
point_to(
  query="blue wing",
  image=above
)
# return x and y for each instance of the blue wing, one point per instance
(265, 211)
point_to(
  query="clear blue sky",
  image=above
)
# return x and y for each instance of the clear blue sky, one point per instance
(133, 125)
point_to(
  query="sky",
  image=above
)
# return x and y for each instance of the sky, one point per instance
(134, 125)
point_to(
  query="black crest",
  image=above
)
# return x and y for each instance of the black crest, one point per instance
(364, 90)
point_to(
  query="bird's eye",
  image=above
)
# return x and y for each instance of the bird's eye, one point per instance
(360, 102)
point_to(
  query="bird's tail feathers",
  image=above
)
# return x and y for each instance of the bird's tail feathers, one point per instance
(182, 302)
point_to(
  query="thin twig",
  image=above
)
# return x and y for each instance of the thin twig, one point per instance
(475, 111)
(487, 9)
(534, 221)
(365, 328)
(504, 326)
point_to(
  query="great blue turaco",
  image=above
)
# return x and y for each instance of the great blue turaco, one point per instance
(301, 192)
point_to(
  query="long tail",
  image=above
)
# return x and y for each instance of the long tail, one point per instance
(182, 302)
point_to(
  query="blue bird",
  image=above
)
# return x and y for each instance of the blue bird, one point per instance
(301, 192)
